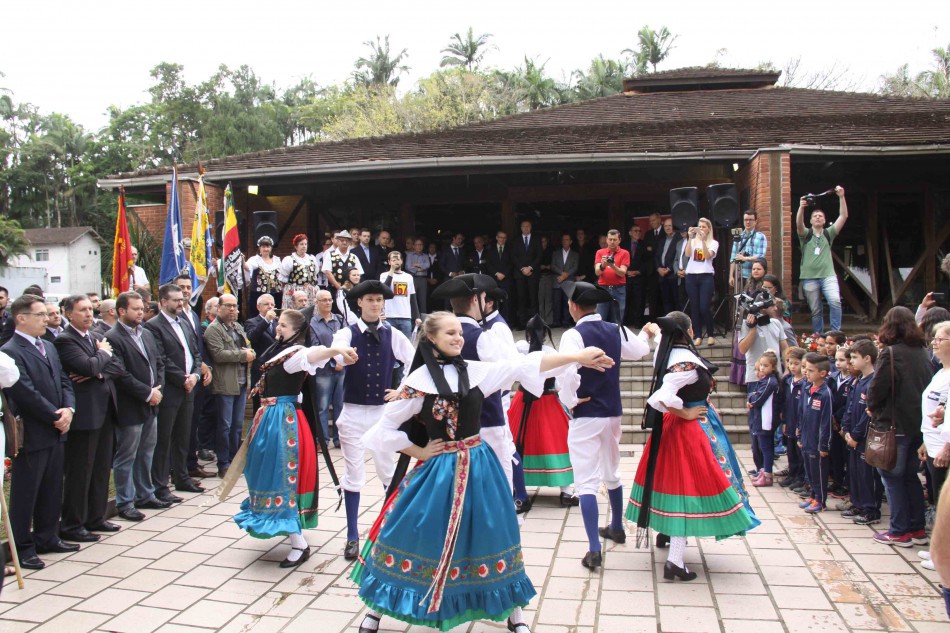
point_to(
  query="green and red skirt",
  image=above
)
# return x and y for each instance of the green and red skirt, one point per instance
(545, 457)
(691, 494)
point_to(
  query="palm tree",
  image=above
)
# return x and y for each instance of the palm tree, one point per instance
(533, 87)
(653, 47)
(603, 78)
(381, 68)
(13, 241)
(936, 83)
(468, 51)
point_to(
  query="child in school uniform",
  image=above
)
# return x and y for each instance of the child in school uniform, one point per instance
(866, 487)
(790, 404)
(762, 416)
(840, 383)
(814, 431)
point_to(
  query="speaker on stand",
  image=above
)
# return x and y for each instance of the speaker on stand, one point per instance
(723, 204)
(684, 207)
(265, 225)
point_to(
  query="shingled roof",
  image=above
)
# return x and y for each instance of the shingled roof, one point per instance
(65, 235)
(623, 127)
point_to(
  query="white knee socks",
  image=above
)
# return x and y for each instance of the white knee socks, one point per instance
(371, 620)
(677, 549)
(298, 542)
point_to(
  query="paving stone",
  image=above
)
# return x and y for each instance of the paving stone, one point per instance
(139, 620)
(692, 619)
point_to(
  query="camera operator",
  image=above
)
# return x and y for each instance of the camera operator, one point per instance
(747, 247)
(610, 266)
(818, 270)
(761, 330)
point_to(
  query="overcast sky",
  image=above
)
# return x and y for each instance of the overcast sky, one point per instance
(80, 57)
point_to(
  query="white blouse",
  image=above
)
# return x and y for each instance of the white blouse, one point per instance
(286, 266)
(255, 262)
(673, 381)
(694, 266)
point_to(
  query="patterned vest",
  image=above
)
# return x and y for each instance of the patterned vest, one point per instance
(366, 382)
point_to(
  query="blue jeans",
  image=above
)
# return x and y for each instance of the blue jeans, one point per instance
(403, 325)
(904, 493)
(814, 289)
(230, 425)
(330, 391)
(619, 293)
(699, 289)
(132, 463)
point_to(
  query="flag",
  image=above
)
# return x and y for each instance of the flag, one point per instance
(201, 242)
(173, 252)
(122, 262)
(231, 246)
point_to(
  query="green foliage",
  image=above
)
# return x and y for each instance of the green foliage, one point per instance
(652, 48)
(468, 51)
(381, 68)
(603, 78)
(933, 83)
(13, 241)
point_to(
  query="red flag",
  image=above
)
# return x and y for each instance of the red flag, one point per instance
(122, 261)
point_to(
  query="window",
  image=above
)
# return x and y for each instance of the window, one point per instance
(41, 255)
(55, 280)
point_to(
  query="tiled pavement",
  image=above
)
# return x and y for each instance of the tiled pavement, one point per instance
(189, 568)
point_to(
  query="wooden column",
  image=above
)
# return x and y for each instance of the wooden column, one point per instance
(508, 217)
(930, 233)
(615, 214)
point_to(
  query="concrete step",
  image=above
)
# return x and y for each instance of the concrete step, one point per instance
(642, 383)
(633, 435)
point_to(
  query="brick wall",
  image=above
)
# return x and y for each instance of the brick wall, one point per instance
(767, 179)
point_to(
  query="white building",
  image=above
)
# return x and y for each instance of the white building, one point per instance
(71, 256)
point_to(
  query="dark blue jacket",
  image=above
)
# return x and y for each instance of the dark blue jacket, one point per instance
(856, 416)
(790, 403)
(840, 388)
(760, 392)
(815, 422)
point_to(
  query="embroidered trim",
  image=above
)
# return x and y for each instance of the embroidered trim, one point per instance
(684, 366)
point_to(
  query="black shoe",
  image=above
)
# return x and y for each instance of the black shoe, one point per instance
(352, 550)
(617, 536)
(189, 486)
(169, 498)
(790, 482)
(753, 471)
(520, 627)
(131, 515)
(59, 548)
(592, 560)
(662, 541)
(200, 473)
(78, 535)
(671, 571)
(105, 526)
(206, 456)
(294, 563)
(153, 504)
(366, 629)
(522, 506)
(867, 519)
(32, 562)
(568, 501)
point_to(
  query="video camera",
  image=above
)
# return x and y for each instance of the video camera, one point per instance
(811, 199)
(756, 304)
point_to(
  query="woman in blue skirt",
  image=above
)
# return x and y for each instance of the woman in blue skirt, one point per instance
(446, 548)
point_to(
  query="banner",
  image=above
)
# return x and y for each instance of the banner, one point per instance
(202, 242)
(231, 246)
(173, 252)
(122, 261)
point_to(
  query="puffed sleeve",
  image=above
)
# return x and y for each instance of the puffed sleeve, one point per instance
(675, 379)
(385, 434)
(524, 369)
(301, 362)
(285, 268)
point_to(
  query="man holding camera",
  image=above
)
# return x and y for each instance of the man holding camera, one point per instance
(818, 270)
(610, 266)
(749, 246)
(761, 330)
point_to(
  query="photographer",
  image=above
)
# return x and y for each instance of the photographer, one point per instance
(818, 270)
(701, 250)
(761, 330)
(610, 266)
(749, 246)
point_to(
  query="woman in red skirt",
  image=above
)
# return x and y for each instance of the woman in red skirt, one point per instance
(681, 488)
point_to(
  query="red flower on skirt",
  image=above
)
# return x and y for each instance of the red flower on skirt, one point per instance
(500, 566)
(482, 570)
(406, 566)
(390, 561)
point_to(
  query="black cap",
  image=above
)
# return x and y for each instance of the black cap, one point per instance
(369, 287)
(585, 294)
(466, 285)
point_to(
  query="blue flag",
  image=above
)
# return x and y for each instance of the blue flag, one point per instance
(173, 251)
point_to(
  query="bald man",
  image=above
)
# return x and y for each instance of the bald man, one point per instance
(300, 300)
(108, 317)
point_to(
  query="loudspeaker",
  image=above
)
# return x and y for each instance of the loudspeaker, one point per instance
(265, 224)
(219, 226)
(723, 205)
(684, 207)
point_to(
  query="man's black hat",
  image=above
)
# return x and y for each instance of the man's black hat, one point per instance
(497, 295)
(369, 287)
(585, 294)
(466, 285)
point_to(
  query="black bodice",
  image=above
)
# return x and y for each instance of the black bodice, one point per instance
(281, 383)
(699, 390)
(470, 411)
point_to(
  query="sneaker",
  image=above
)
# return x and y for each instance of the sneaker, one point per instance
(850, 513)
(815, 508)
(791, 482)
(919, 537)
(806, 503)
(781, 450)
(753, 472)
(866, 519)
(886, 538)
(928, 564)
(764, 481)
(924, 554)
(842, 505)
(805, 493)
(781, 473)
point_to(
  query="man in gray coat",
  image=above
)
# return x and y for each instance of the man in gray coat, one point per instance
(564, 263)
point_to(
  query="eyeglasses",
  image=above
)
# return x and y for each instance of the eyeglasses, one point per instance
(940, 339)
(39, 314)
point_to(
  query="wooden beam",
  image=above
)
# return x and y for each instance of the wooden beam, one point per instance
(290, 220)
(872, 238)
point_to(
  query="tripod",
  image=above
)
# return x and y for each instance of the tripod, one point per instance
(737, 280)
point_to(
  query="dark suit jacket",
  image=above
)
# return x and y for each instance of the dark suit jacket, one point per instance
(475, 263)
(8, 328)
(174, 356)
(94, 395)
(500, 264)
(640, 259)
(134, 381)
(521, 257)
(258, 333)
(43, 388)
(449, 263)
(585, 263)
(665, 262)
(373, 267)
(650, 240)
(101, 327)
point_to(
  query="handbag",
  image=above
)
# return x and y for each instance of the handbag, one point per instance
(880, 450)
(12, 429)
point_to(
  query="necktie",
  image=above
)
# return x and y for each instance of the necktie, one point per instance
(501, 249)
(526, 242)
(91, 342)
(41, 347)
(633, 248)
(371, 329)
(272, 328)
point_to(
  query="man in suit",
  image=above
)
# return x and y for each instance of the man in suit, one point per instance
(501, 268)
(138, 388)
(526, 257)
(108, 317)
(585, 252)
(202, 430)
(370, 255)
(227, 344)
(261, 332)
(477, 260)
(54, 322)
(564, 265)
(179, 348)
(640, 264)
(653, 236)
(664, 260)
(4, 300)
(44, 400)
(10, 326)
(679, 268)
(88, 360)
(453, 257)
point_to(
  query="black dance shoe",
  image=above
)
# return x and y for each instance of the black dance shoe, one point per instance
(662, 541)
(520, 627)
(522, 506)
(569, 501)
(295, 563)
(592, 560)
(617, 536)
(352, 550)
(671, 571)
(366, 629)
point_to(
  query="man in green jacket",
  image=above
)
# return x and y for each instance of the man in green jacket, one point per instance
(232, 354)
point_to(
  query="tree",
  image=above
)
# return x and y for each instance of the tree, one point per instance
(652, 48)
(468, 51)
(603, 78)
(533, 88)
(13, 241)
(380, 68)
